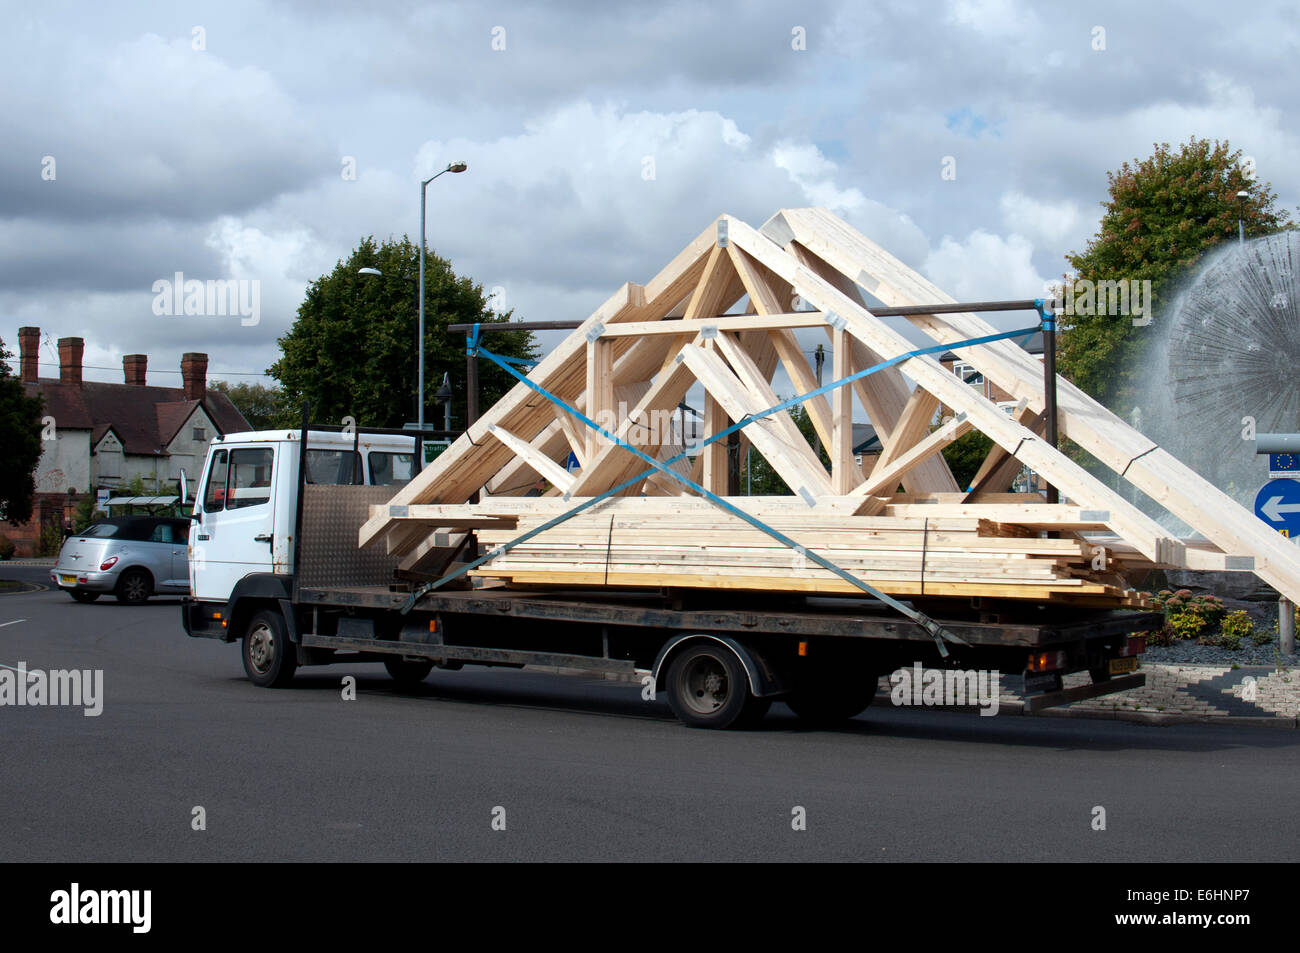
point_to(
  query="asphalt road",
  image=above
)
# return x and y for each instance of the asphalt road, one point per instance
(584, 769)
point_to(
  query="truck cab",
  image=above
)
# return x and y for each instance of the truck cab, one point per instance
(245, 510)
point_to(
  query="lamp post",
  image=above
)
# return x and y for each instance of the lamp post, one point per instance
(452, 167)
(1241, 229)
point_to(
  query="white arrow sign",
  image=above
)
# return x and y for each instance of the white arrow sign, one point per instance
(1274, 509)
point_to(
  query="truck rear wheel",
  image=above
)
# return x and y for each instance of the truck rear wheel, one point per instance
(709, 688)
(269, 659)
(408, 672)
(832, 698)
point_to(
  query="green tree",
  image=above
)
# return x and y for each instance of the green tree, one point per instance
(1163, 214)
(20, 438)
(352, 350)
(965, 456)
(264, 407)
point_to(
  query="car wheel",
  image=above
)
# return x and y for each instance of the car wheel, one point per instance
(269, 657)
(135, 587)
(81, 595)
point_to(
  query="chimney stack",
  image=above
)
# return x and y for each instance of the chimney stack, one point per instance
(134, 367)
(29, 349)
(194, 369)
(70, 351)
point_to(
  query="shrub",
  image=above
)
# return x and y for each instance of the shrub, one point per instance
(1236, 626)
(1159, 637)
(1261, 636)
(1185, 625)
(7, 547)
(51, 540)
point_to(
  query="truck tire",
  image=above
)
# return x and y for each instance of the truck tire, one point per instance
(407, 672)
(709, 688)
(269, 657)
(134, 587)
(833, 698)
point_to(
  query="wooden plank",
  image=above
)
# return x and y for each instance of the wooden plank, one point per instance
(600, 393)
(554, 473)
(740, 322)
(612, 465)
(844, 472)
(714, 473)
(913, 424)
(767, 434)
(755, 380)
(998, 471)
(885, 478)
(804, 380)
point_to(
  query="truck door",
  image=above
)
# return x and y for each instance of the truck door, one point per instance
(235, 536)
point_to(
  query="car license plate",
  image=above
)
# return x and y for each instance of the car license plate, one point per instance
(1119, 666)
(68, 580)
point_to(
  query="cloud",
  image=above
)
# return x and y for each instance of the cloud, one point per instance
(985, 267)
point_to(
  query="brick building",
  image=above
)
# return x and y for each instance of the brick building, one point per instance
(100, 436)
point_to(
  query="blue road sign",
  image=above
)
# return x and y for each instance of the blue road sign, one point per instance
(571, 463)
(1278, 504)
(1283, 465)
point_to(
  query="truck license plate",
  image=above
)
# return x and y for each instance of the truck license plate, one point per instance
(1120, 666)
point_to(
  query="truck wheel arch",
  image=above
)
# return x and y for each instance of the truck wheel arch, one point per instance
(763, 680)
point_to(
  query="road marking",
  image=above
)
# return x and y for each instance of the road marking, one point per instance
(15, 622)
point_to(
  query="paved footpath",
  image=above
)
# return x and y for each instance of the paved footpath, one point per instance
(1255, 695)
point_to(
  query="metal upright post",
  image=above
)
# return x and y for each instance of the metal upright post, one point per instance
(1049, 381)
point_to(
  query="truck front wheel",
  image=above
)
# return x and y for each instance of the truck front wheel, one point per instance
(708, 688)
(269, 659)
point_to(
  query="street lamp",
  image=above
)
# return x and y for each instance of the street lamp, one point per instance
(443, 396)
(376, 273)
(1241, 229)
(452, 167)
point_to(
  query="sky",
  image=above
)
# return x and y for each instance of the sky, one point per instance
(261, 141)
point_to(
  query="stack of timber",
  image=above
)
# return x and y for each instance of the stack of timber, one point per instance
(723, 316)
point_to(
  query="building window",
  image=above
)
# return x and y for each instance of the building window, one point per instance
(200, 433)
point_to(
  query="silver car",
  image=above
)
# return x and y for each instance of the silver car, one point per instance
(133, 557)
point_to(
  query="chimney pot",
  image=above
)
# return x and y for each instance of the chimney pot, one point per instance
(134, 367)
(194, 370)
(70, 352)
(29, 349)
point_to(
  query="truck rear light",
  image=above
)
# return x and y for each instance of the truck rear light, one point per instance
(108, 564)
(1046, 661)
(1135, 646)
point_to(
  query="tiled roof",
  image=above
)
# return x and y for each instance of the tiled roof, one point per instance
(145, 418)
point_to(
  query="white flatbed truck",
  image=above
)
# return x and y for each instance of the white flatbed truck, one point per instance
(275, 566)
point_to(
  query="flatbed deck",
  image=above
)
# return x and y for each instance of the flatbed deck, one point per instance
(845, 618)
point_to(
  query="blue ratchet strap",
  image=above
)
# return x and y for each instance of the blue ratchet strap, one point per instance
(919, 618)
